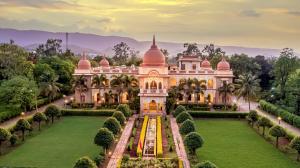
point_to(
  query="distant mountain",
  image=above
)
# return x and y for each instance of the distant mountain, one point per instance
(97, 44)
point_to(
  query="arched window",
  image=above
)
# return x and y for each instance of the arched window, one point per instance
(147, 85)
(153, 85)
(159, 85)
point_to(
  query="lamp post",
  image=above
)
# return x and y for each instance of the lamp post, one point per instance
(279, 119)
(22, 115)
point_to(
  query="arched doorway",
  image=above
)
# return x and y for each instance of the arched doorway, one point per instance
(153, 106)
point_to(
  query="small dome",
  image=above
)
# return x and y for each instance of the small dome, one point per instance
(104, 63)
(223, 65)
(84, 63)
(205, 64)
(154, 57)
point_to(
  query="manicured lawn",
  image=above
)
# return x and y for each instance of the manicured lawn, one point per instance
(58, 146)
(233, 144)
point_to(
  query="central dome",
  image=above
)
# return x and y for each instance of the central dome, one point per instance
(154, 57)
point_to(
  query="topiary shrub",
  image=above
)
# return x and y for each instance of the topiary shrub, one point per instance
(13, 139)
(39, 117)
(183, 116)
(193, 141)
(124, 108)
(264, 122)
(187, 127)
(99, 159)
(4, 135)
(52, 111)
(252, 117)
(120, 117)
(22, 125)
(205, 164)
(277, 131)
(112, 124)
(179, 110)
(295, 144)
(85, 162)
(104, 138)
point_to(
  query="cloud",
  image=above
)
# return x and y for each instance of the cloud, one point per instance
(57, 4)
(250, 13)
(295, 13)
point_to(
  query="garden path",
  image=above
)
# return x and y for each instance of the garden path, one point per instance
(122, 144)
(9, 123)
(180, 150)
(283, 124)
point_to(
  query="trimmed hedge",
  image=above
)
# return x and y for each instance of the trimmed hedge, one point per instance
(159, 138)
(199, 107)
(209, 114)
(277, 111)
(81, 112)
(108, 106)
(140, 146)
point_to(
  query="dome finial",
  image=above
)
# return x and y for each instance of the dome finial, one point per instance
(83, 56)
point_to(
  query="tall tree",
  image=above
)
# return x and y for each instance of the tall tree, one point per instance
(12, 61)
(247, 86)
(265, 75)
(50, 88)
(122, 52)
(243, 64)
(225, 90)
(191, 49)
(51, 48)
(212, 51)
(284, 66)
(19, 90)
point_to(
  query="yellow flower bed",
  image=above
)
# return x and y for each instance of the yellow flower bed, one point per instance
(140, 146)
(159, 137)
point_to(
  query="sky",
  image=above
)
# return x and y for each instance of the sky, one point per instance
(249, 23)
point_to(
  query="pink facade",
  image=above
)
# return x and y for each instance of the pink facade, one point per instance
(155, 77)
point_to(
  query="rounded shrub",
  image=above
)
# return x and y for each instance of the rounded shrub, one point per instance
(193, 141)
(179, 110)
(124, 108)
(22, 125)
(112, 124)
(52, 111)
(104, 138)
(120, 117)
(183, 116)
(252, 117)
(39, 117)
(295, 144)
(99, 159)
(85, 162)
(277, 131)
(205, 164)
(13, 139)
(4, 135)
(187, 127)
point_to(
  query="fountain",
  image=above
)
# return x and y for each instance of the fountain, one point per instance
(150, 141)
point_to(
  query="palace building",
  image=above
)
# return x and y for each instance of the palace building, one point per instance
(155, 77)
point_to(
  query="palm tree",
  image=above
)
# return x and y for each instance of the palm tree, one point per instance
(226, 90)
(117, 82)
(80, 84)
(99, 82)
(130, 84)
(200, 87)
(247, 87)
(50, 88)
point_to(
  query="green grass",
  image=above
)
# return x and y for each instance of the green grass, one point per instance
(58, 146)
(233, 144)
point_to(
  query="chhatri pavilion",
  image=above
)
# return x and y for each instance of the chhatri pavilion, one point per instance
(155, 77)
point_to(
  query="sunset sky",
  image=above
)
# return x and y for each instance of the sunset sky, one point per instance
(251, 23)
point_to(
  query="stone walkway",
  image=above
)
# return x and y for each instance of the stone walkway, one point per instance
(122, 144)
(9, 123)
(180, 150)
(295, 131)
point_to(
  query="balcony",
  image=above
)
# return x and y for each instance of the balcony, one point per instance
(153, 91)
